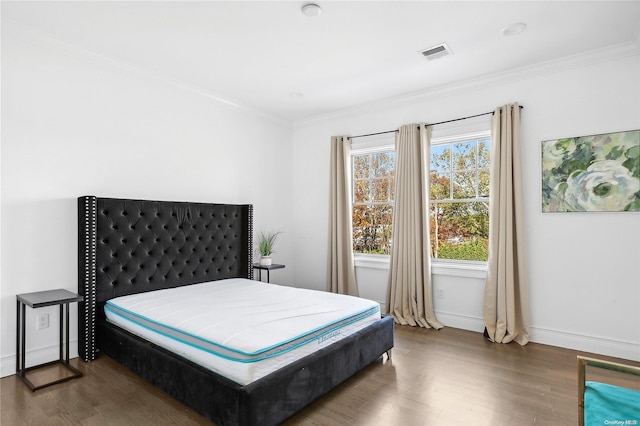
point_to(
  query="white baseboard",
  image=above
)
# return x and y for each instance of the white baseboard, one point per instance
(464, 322)
(36, 357)
(579, 342)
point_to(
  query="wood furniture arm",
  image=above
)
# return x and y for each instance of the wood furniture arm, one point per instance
(583, 362)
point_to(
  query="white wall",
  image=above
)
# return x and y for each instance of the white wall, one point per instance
(584, 268)
(76, 124)
(67, 119)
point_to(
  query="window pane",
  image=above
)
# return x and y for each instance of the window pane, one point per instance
(464, 155)
(440, 158)
(360, 217)
(464, 185)
(384, 215)
(460, 230)
(484, 153)
(458, 170)
(383, 164)
(361, 191)
(440, 186)
(392, 188)
(380, 189)
(372, 229)
(483, 183)
(361, 166)
(373, 187)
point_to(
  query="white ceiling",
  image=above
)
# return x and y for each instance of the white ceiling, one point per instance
(257, 53)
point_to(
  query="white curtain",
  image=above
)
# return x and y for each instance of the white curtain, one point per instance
(409, 291)
(506, 299)
(341, 276)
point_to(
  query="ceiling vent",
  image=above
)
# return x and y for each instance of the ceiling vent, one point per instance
(436, 52)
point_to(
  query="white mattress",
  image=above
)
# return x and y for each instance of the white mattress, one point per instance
(239, 328)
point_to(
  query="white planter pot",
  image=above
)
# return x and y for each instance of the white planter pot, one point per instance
(265, 261)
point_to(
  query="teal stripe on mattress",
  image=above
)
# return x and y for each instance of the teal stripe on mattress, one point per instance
(321, 334)
(606, 404)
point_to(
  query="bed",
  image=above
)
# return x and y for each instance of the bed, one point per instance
(602, 403)
(130, 247)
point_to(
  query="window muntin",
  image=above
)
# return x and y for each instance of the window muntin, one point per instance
(459, 199)
(373, 193)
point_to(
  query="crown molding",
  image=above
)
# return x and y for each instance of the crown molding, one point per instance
(610, 53)
(21, 32)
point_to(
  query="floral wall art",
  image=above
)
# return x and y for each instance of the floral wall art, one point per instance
(592, 173)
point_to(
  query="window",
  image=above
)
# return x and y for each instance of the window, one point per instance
(459, 198)
(373, 186)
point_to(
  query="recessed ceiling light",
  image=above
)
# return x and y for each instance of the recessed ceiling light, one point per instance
(514, 29)
(311, 9)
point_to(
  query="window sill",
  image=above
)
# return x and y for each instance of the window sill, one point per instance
(438, 267)
(371, 261)
(459, 269)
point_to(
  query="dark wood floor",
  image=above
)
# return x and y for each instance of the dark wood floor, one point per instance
(445, 377)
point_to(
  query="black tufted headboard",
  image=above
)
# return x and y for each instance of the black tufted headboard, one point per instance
(134, 246)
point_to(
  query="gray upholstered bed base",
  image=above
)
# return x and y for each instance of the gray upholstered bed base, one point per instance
(267, 401)
(130, 246)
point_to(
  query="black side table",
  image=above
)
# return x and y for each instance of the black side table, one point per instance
(38, 300)
(260, 268)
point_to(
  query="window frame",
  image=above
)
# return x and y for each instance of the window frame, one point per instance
(465, 265)
(369, 148)
(445, 267)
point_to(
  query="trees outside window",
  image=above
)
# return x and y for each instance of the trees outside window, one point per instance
(373, 185)
(459, 199)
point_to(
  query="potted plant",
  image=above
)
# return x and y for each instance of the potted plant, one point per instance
(266, 243)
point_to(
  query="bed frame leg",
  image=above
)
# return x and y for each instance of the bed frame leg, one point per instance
(388, 355)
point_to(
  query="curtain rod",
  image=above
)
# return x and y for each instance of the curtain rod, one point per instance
(428, 125)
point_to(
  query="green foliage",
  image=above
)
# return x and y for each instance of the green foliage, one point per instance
(266, 242)
(470, 250)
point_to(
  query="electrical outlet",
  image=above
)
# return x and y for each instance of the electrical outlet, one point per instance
(440, 293)
(43, 321)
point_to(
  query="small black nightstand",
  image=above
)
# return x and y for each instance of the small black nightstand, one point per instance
(38, 300)
(260, 268)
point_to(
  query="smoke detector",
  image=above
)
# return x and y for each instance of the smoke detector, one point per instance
(436, 52)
